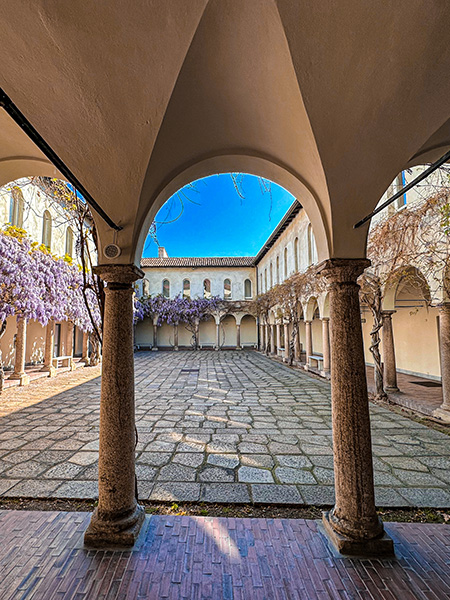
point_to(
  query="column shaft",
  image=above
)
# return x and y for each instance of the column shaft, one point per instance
(387, 337)
(308, 341)
(353, 524)
(238, 336)
(287, 349)
(326, 344)
(48, 352)
(21, 346)
(118, 517)
(273, 349)
(155, 337)
(444, 341)
(218, 336)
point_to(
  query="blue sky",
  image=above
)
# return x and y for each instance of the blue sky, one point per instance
(219, 216)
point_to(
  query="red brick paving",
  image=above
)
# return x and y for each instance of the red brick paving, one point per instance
(180, 557)
(415, 397)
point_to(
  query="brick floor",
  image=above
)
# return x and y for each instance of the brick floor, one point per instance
(234, 427)
(42, 557)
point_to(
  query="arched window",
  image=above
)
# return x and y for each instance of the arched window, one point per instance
(296, 254)
(186, 288)
(146, 287)
(69, 242)
(247, 288)
(265, 280)
(278, 270)
(285, 263)
(166, 288)
(260, 284)
(227, 289)
(311, 246)
(17, 203)
(271, 275)
(47, 230)
(207, 288)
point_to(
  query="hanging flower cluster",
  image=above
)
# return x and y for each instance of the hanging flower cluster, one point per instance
(177, 310)
(37, 285)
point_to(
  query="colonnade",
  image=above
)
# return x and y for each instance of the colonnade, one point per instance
(353, 524)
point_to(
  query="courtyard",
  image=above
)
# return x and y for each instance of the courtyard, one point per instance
(226, 427)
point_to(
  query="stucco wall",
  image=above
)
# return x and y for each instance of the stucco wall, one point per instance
(196, 276)
(248, 330)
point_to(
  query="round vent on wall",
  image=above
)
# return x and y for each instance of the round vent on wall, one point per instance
(112, 251)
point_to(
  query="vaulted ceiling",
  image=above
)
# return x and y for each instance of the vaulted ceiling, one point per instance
(330, 99)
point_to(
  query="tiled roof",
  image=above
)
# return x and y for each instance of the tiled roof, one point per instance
(201, 261)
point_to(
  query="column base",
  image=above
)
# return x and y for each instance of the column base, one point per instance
(22, 378)
(72, 366)
(154, 349)
(391, 389)
(379, 546)
(50, 370)
(124, 532)
(442, 413)
(85, 361)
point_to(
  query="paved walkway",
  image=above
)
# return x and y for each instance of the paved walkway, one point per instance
(35, 372)
(193, 558)
(213, 427)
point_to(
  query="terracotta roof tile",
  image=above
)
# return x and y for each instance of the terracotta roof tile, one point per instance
(201, 261)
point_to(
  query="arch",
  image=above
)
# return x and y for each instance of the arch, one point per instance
(228, 332)
(404, 278)
(47, 230)
(186, 288)
(166, 288)
(69, 242)
(286, 263)
(310, 308)
(248, 289)
(243, 163)
(227, 295)
(249, 334)
(296, 257)
(206, 288)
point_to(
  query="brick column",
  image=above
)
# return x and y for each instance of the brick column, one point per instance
(326, 344)
(387, 337)
(19, 359)
(48, 353)
(352, 525)
(118, 518)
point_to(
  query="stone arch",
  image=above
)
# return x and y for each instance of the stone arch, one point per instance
(249, 334)
(309, 308)
(228, 332)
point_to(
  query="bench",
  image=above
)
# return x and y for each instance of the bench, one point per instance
(60, 359)
(317, 359)
(207, 345)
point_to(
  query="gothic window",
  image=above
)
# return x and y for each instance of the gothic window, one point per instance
(265, 280)
(17, 203)
(278, 270)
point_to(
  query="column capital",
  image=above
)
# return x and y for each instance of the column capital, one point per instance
(122, 274)
(444, 307)
(342, 270)
(387, 313)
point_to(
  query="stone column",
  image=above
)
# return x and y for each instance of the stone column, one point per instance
(175, 337)
(21, 346)
(286, 342)
(278, 326)
(443, 412)
(155, 336)
(353, 524)
(118, 518)
(308, 341)
(387, 337)
(326, 344)
(217, 336)
(85, 352)
(48, 353)
(238, 336)
(69, 344)
(273, 349)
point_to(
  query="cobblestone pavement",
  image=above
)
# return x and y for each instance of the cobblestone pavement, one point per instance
(213, 427)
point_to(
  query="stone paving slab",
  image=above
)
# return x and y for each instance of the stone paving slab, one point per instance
(241, 429)
(180, 557)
